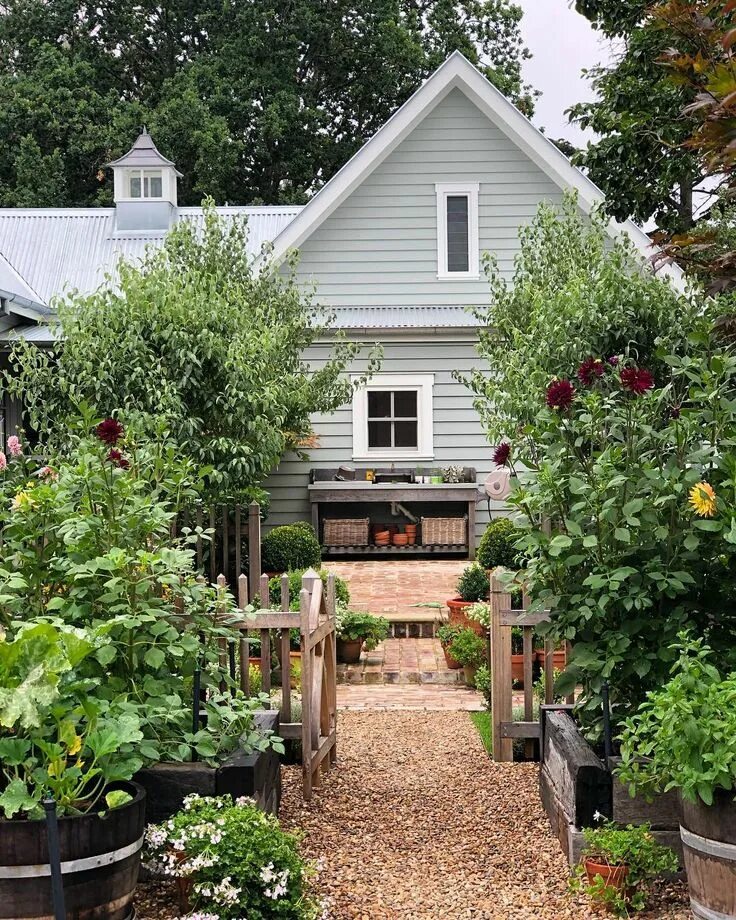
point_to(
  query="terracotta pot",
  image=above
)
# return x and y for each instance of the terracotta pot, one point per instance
(613, 876)
(559, 658)
(457, 608)
(348, 651)
(517, 668)
(451, 662)
(400, 539)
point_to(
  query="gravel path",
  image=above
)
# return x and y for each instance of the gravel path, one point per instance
(416, 822)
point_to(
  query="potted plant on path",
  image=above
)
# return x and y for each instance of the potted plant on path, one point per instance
(617, 864)
(472, 586)
(356, 630)
(61, 743)
(682, 738)
(470, 650)
(447, 633)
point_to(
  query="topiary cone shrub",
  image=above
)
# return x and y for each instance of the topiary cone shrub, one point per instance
(291, 547)
(496, 547)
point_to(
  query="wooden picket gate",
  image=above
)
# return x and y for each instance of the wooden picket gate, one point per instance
(503, 619)
(317, 729)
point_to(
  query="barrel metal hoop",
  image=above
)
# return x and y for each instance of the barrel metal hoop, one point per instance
(74, 865)
(710, 847)
(706, 913)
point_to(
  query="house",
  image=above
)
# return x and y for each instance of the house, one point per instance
(393, 243)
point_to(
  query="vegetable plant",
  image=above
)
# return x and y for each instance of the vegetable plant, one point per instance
(682, 735)
(237, 859)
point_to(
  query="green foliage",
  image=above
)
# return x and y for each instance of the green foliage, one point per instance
(484, 726)
(468, 649)
(254, 103)
(483, 683)
(473, 584)
(448, 632)
(197, 339)
(496, 547)
(57, 737)
(238, 859)
(353, 625)
(342, 593)
(632, 846)
(626, 566)
(573, 295)
(682, 735)
(291, 547)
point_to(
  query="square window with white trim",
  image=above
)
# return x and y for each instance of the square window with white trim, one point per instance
(392, 418)
(145, 183)
(457, 230)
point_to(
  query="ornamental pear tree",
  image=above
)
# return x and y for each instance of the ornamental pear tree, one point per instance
(197, 338)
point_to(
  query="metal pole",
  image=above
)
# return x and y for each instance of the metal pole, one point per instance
(607, 739)
(52, 835)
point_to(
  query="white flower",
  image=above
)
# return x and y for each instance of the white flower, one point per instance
(598, 816)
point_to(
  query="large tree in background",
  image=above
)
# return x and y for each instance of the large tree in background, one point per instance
(639, 160)
(255, 102)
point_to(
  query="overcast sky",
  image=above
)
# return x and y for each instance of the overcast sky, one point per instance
(563, 44)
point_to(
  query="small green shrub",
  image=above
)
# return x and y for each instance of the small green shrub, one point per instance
(238, 859)
(468, 649)
(473, 584)
(448, 632)
(496, 547)
(631, 846)
(291, 547)
(342, 593)
(352, 625)
(483, 683)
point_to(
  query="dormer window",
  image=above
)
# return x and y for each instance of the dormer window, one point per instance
(145, 183)
(457, 230)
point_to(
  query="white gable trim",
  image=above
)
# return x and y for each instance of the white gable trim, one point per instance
(456, 72)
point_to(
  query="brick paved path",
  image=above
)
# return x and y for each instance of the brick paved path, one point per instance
(401, 661)
(426, 698)
(390, 587)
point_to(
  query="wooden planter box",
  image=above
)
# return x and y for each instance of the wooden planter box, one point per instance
(257, 775)
(575, 784)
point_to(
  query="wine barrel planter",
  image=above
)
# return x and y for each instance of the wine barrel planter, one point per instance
(100, 859)
(709, 842)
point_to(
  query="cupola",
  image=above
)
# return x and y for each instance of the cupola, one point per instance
(145, 188)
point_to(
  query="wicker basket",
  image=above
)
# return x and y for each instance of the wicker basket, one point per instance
(444, 531)
(346, 532)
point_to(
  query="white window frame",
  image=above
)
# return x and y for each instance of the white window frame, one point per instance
(143, 174)
(423, 385)
(443, 191)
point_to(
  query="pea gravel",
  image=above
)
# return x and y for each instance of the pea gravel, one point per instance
(417, 822)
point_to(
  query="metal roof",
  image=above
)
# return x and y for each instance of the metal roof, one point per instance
(41, 334)
(398, 317)
(13, 285)
(145, 154)
(61, 249)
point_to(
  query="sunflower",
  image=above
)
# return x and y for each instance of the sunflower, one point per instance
(703, 499)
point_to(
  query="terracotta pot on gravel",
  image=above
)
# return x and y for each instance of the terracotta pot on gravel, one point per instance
(457, 607)
(348, 651)
(613, 876)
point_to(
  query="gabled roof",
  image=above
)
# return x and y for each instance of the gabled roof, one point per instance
(17, 295)
(144, 154)
(59, 249)
(456, 73)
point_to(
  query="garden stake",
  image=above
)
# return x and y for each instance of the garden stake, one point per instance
(52, 835)
(231, 654)
(607, 741)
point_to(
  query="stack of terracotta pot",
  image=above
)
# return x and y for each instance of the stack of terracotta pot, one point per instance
(411, 534)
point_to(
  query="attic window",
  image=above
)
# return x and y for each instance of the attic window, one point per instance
(145, 183)
(392, 417)
(457, 230)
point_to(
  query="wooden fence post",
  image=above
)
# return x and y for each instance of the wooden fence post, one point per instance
(305, 599)
(501, 693)
(285, 655)
(254, 549)
(244, 642)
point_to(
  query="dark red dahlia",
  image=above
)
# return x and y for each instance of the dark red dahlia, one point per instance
(501, 454)
(110, 431)
(637, 380)
(590, 370)
(560, 394)
(118, 459)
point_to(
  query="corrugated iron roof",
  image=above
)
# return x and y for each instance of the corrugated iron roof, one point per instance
(61, 249)
(41, 334)
(12, 284)
(384, 317)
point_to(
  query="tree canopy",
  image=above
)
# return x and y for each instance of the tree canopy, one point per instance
(197, 340)
(639, 160)
(255, 102)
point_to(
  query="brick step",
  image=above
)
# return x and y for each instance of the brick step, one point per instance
(359, 675)
(413, 629)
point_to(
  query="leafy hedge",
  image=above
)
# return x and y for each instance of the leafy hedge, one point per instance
(291, 547)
